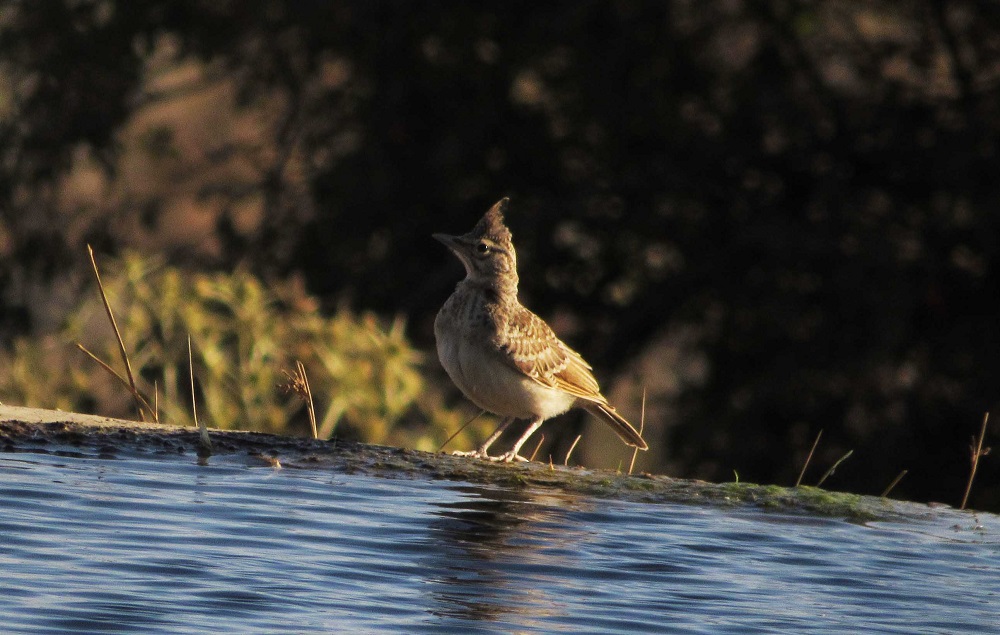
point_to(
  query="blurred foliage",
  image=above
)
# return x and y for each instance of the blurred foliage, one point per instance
(366, 377)
(804, 192)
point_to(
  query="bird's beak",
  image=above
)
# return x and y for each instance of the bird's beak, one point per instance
(457, 247)
(449, 241)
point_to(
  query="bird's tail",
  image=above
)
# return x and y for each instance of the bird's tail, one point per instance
(607, 413)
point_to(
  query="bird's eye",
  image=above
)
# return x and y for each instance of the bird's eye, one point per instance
(482, 248)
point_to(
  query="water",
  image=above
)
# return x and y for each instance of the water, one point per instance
(163, 545)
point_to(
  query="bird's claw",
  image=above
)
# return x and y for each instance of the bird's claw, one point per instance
(476, 454)
(506, 457)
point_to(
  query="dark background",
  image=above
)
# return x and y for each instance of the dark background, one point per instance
(805, 194)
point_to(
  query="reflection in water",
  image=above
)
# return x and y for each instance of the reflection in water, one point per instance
(164, 546)
(477, 543)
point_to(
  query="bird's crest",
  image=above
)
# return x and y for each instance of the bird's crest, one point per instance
(491, 225)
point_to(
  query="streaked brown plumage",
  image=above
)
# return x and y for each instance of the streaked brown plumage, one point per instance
(503, 357)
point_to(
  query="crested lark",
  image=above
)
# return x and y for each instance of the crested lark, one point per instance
(503, 357)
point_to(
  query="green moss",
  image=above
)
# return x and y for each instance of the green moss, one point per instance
(97, 437)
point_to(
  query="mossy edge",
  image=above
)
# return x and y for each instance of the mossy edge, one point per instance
(50, 431)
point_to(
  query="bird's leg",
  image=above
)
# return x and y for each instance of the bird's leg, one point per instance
(513, 455)
(480, 452)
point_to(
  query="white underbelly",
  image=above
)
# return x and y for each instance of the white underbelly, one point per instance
(495, 386)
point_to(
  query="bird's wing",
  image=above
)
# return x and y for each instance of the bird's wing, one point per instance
(533, 348)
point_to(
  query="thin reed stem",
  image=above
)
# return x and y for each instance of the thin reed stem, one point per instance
(538, 447)
(571, 448)
(124, 382)
(204, 442)
(975, 452)
(301, 368)
(114, 325)
(808, 458)
(893, 484)
(459, 431)
(642, 424)
(834, 467)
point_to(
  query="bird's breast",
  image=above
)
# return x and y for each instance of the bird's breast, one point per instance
(478, 369)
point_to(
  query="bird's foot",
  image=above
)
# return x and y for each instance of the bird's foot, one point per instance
(508, 457)
(476, 454)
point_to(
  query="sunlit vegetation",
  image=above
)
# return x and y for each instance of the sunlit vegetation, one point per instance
(366, 377)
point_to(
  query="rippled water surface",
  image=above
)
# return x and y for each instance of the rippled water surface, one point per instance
(167, 546)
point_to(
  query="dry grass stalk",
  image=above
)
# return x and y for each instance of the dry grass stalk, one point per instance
(538, 446)
(976, 451)
(309, 397)
(459, 431)
(204, 442)
(124, 382)
(834, 467)
(808, 458)
(140, 403)
(298, 384)
(571, 448)
(642, 424)
(894, 482)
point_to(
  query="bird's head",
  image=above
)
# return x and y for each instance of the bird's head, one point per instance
(487, 251)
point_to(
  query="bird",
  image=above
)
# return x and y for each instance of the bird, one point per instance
(504, 358)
